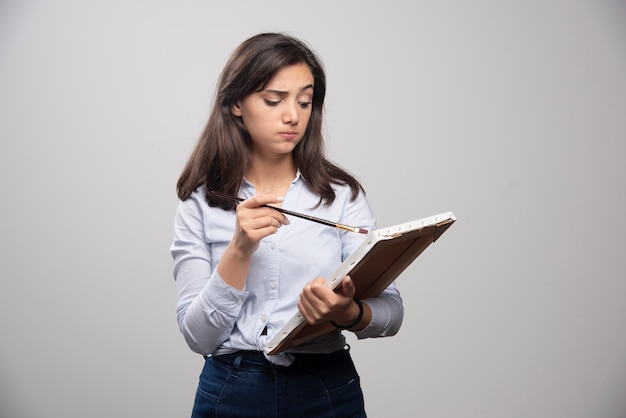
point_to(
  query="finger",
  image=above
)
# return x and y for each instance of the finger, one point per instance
(306, 309)
(253, 219)
(320, 290)
(250, 228)
(321, 301)
(260, 221)
(311, 293)
(254, 207)
(260, 200)
(256, 229)
(347, 287)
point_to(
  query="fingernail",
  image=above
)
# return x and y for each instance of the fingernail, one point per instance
(280, 198)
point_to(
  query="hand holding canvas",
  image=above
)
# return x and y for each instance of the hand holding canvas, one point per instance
(319, 303)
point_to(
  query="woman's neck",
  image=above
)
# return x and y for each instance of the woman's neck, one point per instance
(271, 175)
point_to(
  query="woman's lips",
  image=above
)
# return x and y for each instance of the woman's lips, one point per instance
(288, 135)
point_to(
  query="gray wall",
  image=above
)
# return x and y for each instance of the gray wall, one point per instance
(511, 114)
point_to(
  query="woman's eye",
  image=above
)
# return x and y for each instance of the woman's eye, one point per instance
(304, 105)
(271, 102)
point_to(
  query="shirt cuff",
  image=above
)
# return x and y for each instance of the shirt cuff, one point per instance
(380, 319)
(223, 297)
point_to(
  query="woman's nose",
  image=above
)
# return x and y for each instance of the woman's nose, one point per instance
(291, 114)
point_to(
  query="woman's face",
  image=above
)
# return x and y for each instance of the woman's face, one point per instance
(277, 116)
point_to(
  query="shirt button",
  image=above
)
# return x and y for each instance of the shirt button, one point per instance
(272, 285)
(239, 301)
(273, 245)
(263, 318)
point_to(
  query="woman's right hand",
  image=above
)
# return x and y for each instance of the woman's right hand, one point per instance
(254, 222)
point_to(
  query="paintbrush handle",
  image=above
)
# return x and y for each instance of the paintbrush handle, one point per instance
(298, 215)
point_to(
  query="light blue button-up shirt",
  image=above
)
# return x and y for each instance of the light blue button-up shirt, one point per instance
(216, 318)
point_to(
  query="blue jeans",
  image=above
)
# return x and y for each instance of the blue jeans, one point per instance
(245, 384)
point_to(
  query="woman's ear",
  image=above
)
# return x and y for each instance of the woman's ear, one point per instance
(235, 109)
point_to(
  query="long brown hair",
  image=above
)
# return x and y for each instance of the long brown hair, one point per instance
(222, 154)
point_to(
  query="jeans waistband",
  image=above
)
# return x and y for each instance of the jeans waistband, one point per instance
(256, 360)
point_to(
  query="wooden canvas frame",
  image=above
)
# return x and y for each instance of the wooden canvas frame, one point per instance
(376, 263)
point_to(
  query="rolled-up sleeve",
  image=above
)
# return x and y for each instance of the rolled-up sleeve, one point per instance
(387, 314)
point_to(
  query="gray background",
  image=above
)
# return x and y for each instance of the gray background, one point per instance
(511, 114)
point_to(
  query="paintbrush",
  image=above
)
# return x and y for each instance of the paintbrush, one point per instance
(299, 215)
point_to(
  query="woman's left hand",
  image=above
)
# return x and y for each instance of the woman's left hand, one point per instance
(318, 303)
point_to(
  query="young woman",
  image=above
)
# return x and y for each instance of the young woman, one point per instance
(242, 270)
